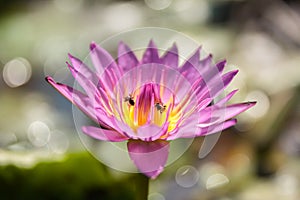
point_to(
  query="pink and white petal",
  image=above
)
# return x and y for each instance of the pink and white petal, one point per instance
(235, 109)
(103, 118)
(126, 57)
(89, 87)
(197, 132)
(107, 69)
(151, 54)
(124, 129)
(185, 129)
(216, 128)
(189, 68)
(101, 58)
(215, 114)
(215, 86)
(151, 132)
(76, 97)
(83, 69)
(103, 134)
(209, 119)
(223, 101)
(170, 58)
(149, 157)
(208, 70)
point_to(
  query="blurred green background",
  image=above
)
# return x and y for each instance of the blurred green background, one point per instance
(41, 156)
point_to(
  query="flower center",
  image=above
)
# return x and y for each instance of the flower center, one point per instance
(149, 104)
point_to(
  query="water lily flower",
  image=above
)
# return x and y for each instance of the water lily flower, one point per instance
(151, 101)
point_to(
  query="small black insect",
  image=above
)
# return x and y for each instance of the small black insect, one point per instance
(160, 107)
(129, 99)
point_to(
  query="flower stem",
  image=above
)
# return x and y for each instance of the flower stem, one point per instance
(142, 187)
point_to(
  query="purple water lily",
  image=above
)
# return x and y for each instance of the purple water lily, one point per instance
(151, 101)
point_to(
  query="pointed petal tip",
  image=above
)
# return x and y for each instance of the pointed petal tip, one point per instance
(49, 79)
(251, 103)
(231, 74)
(123, 48)
(52, 82)
(222, 62)
(221, 65)
(174, 48)
(151, 44)
(234, 72)
(122, 43)
(232, 93)
(70, 56)
(68, 64)
(198, 49)
(93, 45)
(208, 58)
(174, 45)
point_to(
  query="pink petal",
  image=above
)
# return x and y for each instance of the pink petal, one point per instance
(216, 85)
(151, 54)
(83, 102)
(210, 120)
(124, 129)
(216, 128)
(106, 67)
(97, 95)
(187, 128)
(208, 70)
(103, 118)
(76, 97)
(220, 65)
(170, 58)
(149, 157)
(103, 134)
(83, 69)
(210, 79)
(151, 132)
(227, 78)
(101, 58)
(190, 131)
(223, 101)
(215, 114)
(89, 87)
(126, 57)
(189, 68)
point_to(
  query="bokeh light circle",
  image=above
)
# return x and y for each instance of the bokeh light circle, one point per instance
(17, 72)
(187, 176)
(38, 133)
(158, 4)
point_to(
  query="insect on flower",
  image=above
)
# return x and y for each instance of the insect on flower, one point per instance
(187, 91)
(160, 107)
(129, 99)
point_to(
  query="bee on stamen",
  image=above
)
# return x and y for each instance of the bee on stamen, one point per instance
(129, 99)
(160, 107)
